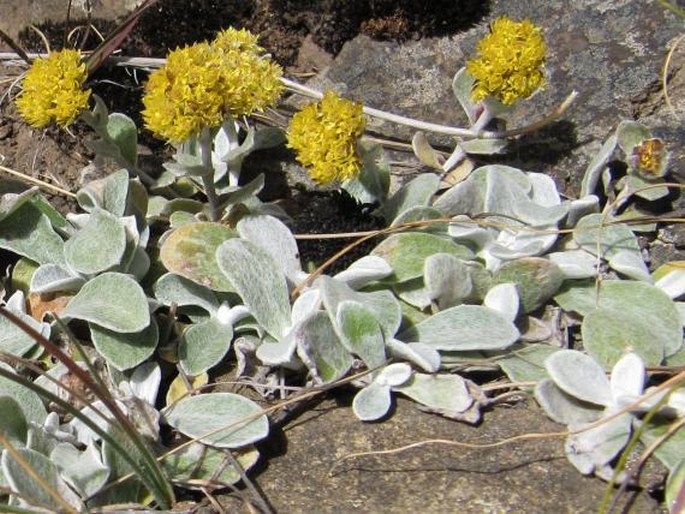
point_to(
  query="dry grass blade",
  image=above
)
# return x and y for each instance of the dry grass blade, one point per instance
(40, 183)
(665, 73)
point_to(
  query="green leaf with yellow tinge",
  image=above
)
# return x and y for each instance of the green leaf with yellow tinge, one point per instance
(407, 252)
(190, 251)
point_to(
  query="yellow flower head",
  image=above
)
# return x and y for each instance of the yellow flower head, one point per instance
(203, 84)
(252, 81)
(510, 61)
(324, 135)
(53, 90)
(242, 40)
(186, 94)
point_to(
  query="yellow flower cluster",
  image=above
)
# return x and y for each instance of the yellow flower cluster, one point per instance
(510, 61)
(324, 135)
(53, 90)
(203, 84)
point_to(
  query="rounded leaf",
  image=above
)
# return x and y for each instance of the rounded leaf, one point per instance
(360, 333)
(462, 328)
(109, 193)
(125, 350)
(28, 232)
(670, 278)
(394, 375)
(444, 394)
(32, 405)
(447, 279)
(21, 476)
(373, 402)
(608, 335)
(83, 470)
(203, 345)
(579, 375)
(628, 378)
(224, 420)
(416, 193)
(272, 236)
(171, 288)
(425, 357)
(406, 252)
(640, 304)
(564, 408)
(49, 278)
(190, 251)
(538, 279)
(319, 347)
(111, 300)
(365, 270)
(14, 340)
(259, 281)
(199, 466)
(615, 242)
(504, 298)
(593, 449)
(98, 246)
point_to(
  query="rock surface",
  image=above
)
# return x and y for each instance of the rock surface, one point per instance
(611, 52)
(523, 477)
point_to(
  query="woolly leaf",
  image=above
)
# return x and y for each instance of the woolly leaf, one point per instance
(125, 350)
(98, 246)
(447, 395)
(462, 328)
(112, 300)
(22, 481)
(406, 252)
(537, 279)
(360, 333)
(203, 346)
(190, 251)
(259, 281)
(579, 375)
(372, 402)
(224, 420)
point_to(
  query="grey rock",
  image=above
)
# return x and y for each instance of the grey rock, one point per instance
(611, 52)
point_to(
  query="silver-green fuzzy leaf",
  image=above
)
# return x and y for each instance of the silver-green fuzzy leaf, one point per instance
(259, 281)
(112, 300)
(463, 328)
(224, 420)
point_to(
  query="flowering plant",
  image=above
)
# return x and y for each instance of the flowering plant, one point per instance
(455, 284)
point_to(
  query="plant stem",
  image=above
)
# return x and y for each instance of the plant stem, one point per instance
(205, 141)
(232, 134)
(458, 154)
(388, 116)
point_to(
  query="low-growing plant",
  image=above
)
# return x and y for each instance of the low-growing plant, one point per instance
(150, 281)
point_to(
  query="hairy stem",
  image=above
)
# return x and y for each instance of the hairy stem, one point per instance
(205, 141)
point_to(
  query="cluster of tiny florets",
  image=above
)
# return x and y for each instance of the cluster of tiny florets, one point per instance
(52, 90)
(324, 136)
(510, 61)
(203, 84)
